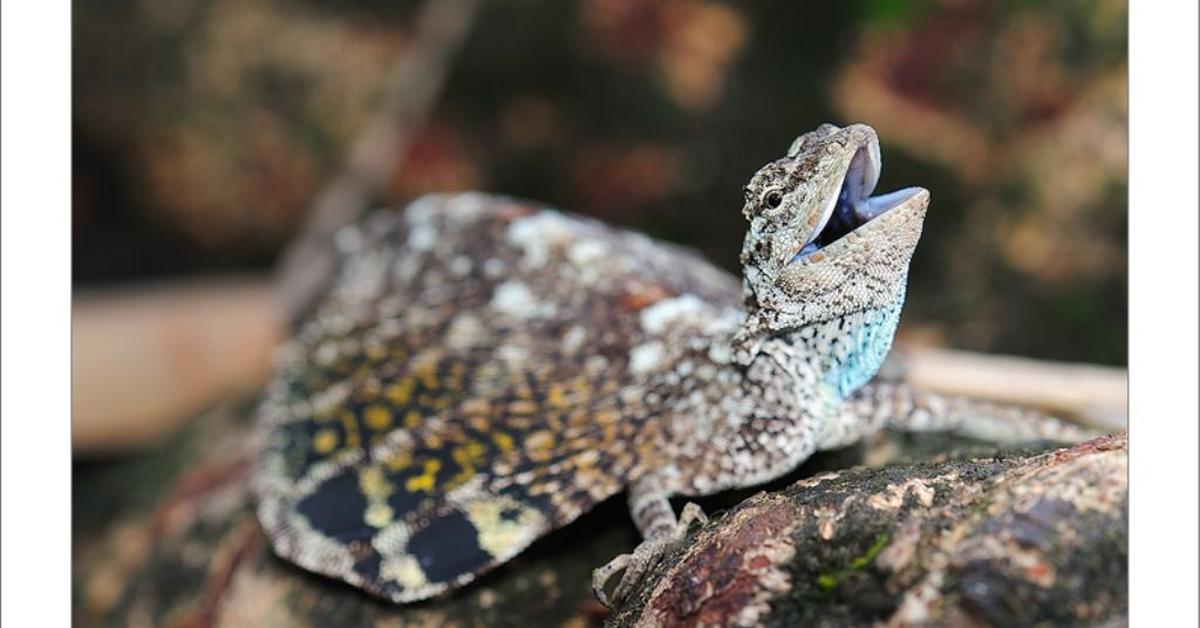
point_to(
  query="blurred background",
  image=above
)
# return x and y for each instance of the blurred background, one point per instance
(205, 131)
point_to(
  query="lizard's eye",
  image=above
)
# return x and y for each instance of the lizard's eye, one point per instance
(773, 199)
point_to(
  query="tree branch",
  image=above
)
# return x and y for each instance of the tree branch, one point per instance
(416, 80)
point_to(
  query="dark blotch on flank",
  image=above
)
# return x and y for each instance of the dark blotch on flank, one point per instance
(336, 509)
(448, 548)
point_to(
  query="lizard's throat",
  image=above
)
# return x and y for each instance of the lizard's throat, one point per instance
(842, 353)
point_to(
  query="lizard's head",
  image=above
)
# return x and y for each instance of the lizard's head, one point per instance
(819, 245)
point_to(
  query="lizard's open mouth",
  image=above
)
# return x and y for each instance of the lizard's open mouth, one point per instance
(854, 206)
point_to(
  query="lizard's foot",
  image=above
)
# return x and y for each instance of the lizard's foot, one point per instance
(635, 565)
(647, 554)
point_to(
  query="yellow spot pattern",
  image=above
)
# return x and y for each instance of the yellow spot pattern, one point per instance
(465, 457)
(373, 483)
(427, 373)
(399, 461)
(557, 397)
(401, 392)
(469, 453)
(350, 426)
(503, 441)
(376, 488)
(425, 481)
(378, 418)
(501, 536)
(325, 440)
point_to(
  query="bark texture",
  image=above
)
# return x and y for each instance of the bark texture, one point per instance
(1010, 540)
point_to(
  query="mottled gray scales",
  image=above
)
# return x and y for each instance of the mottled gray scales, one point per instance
(479, 362)
(483, 371)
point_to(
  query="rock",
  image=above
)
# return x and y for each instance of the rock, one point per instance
(965, 537)
(1009, 540)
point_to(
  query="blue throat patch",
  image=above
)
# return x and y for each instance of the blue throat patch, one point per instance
(869, 338)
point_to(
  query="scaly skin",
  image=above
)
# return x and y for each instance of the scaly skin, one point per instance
(817, 327)
(484, 371)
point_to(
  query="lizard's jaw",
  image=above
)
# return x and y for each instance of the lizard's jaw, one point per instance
(853, 206)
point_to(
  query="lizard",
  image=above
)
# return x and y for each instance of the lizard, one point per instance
(484, 370)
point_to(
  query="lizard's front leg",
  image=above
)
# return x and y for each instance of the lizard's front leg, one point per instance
(650, 506)
(903, 407)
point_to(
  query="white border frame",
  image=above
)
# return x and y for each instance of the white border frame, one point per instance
(1163, 314)
(35, 410)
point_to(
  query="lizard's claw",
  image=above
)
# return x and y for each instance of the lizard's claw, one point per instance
(642, 560)
(635, 565)
(601, 575)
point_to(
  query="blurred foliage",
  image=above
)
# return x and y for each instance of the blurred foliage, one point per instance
(203, 128)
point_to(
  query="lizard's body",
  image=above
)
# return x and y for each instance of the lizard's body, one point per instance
(484, 371)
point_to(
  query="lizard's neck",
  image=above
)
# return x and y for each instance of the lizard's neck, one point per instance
(770, 413)
(838, 355)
